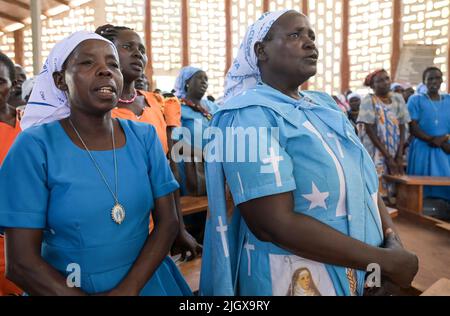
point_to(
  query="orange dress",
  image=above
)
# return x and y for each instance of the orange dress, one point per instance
(151, 114)
(172, 112)
(7, 136)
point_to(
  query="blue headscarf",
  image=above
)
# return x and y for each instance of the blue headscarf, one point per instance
(186, 73)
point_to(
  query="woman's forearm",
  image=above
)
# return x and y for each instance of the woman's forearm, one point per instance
(37, 277)
(375, 140)
(26, 268)
(155, 249)
(316, 241)
(416, 131)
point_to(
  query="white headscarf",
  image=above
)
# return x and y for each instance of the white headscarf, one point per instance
(244, 73)
(353, 95)
(47, 103)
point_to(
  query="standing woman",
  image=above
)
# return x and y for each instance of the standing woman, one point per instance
(9, 129)
(84, 185)
(196, 114)
(146, 107)
(308, 197)
(384, 116)
(429, 154)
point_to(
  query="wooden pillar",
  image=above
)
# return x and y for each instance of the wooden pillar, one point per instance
(185, 32)
(18, 47)
(36, 31)
(305, 10)
(148, 41)
(266, 5)
(345, 58)
(396, 36)
(228, 36)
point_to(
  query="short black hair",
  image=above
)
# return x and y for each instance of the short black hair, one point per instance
(426, 71)
(5, 60)
(110, 32)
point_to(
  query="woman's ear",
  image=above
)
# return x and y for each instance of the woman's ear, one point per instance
(60, 80)
(260, 51)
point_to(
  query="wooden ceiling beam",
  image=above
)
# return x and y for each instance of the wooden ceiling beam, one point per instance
(18, 4)
(6, 16)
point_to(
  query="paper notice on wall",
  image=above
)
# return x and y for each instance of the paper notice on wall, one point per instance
(414, 59)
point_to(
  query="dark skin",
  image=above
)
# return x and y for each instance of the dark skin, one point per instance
(408, 93)
(284, 65)
(7, 111)
(381, 87)
(92, 65)
(15, 98)
(133, 60)
(354, 107)
(433, 80)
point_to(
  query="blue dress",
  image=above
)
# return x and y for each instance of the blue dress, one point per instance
(56, 187)
(307, 147)
(433, 118)
(194, 123)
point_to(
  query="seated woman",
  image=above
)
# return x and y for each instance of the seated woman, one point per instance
(429, 153)
(384, 116)
(9, 129)
(147, 107)
(196, 114)
(84, 185)
(306, 190)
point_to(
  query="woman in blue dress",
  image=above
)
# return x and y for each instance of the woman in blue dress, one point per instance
(429, 154)
(305, 188)
(196, 114)
(83, 186)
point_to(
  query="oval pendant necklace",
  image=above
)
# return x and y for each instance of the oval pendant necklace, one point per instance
(117, 211)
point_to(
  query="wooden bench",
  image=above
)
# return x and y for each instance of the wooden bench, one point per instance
(193, 204)
(410, 190)
(440, 288)
(191, 272)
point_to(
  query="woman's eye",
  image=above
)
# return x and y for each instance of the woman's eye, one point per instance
(115, 65)
(126, 46)
(86, 62)
(294, 35)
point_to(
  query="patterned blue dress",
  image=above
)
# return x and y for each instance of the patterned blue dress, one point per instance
(307, 147)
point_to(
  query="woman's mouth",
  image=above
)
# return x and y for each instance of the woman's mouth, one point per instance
(106, 92)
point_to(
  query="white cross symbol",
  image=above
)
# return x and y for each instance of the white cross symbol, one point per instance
(221, 229)
(274, 161)
(249, 247)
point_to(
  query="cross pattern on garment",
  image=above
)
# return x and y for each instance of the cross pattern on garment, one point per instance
(274, 161)
(221, 229)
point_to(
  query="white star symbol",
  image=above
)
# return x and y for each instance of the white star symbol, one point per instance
(316, 198)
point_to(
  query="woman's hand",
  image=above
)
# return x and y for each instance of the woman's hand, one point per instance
(446, 148)
(186, 242)
(403, 264)
(438, 141)
(392, 166)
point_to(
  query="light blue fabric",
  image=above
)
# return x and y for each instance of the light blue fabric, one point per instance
(433, 118)
(48, 183)
(185, 74)
(319, 152)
